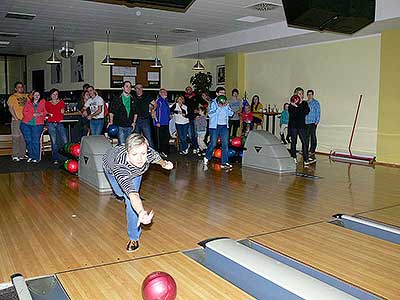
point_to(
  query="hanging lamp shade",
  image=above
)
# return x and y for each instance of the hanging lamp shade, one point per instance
(157, 61)
(107, 59)
(198, 66)
(53, 59)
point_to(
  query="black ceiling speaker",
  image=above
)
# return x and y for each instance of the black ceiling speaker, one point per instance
(171, 5)
(343, 16)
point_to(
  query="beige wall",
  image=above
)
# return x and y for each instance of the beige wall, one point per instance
(175, 74)
(338, 72)
(38, 62)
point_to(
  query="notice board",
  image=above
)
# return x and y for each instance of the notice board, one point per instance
(136, 71)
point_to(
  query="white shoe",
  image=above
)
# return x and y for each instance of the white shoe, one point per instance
(34, 161)
(226, 166)
(15, 158)
(29, 159)
(205, 160)
(185, 151)
(195, 151)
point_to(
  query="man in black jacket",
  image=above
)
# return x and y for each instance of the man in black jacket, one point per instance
(122, 111)
(298, 109)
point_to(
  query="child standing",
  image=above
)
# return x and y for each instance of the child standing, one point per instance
(284, 121)
(247, 120)
(200, 124)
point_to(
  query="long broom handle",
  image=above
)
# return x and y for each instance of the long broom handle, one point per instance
(354, 125)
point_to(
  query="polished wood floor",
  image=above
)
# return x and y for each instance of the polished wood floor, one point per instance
(51, 223)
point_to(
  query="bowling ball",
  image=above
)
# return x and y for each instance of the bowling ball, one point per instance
(66, 147)
(295, 99)
(236, 142)
(72, 166)
(231, 152)
(217, 153)
(75, 150)
(112, 130)
(66, 164)
(159, 286)
(221, 99)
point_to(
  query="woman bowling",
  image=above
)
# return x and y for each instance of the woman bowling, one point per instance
(124, 166)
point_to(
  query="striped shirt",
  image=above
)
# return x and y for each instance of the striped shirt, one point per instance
(115, 163)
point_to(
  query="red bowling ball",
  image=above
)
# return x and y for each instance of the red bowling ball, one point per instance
(159, 286)
(75, 150)
(72, 166)
(236, 142)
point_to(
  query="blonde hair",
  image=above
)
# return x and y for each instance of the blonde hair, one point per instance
(180, 97)
(135, 140)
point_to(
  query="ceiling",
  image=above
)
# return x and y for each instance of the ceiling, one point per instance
(83, 21)
(212, 21)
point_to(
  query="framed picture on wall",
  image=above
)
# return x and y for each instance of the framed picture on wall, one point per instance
(56, 73)
(77, 74)
(220, 74)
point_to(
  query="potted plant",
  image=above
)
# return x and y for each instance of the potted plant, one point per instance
(201, 82)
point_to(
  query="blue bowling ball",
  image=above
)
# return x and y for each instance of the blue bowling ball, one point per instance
(231, 152)
(112, 130)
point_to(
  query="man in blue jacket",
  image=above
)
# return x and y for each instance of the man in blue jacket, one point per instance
(312, 121)
(161, 123)
(219, 113)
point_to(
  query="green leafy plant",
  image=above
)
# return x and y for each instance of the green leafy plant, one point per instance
(201, 82)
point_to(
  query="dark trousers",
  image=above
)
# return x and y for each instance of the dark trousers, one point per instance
(301, 132)
(312, 137)
(143, 127)
(162, 138)
(234, 126)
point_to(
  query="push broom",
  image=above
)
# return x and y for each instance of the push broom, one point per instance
(350, 157)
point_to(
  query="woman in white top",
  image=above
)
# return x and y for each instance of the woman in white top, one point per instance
(96, 112)
(182, 123)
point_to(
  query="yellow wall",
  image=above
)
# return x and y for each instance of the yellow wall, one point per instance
(37, 61)
(235, 75)
(338, 72)
(175, 74)
(388, 149)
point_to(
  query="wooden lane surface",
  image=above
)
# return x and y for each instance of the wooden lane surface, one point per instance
(389, 216)
(364, 261)
(39, 235)
(123, 281)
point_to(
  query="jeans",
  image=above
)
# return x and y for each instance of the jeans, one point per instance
(312, 137)
(301, 132)
(223, 132)
(123, 133)
(58, 137)
(32, 135)
(193, 135)
(134, 231)
(143, 127)
(182, 130)
(96, 126)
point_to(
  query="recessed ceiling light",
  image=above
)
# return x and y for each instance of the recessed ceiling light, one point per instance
(251, 19)
(181, 30)
(22, 16)
(8, 34)
(149, 23)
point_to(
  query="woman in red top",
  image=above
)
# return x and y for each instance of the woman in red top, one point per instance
(32, 124)
(58, 136)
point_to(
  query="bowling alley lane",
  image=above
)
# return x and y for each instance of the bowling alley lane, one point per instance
(366, 262)
(124, 280)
